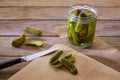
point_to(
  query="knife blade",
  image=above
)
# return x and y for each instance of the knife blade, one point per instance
(25, 58)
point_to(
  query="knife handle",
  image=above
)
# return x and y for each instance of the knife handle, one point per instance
(10, 63)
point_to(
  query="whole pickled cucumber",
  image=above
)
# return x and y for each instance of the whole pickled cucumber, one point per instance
(37, 43)
(68, 30)
(84, 31)
(76, 12)
(84, 26)
(78, 27)
(69, 65)
(89, 14)
(56, 55)
(71, 24)
(65, 55)
(19, 41)
(75, 36)
(34, 31)
(71, 59)
(90, 24)
(59, 64)
(91, 29)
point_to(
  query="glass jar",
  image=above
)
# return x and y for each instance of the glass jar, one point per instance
(81, 25)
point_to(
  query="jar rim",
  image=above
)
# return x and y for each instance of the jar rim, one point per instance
(85, 7)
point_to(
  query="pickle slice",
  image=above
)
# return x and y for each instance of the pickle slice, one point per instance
(65, 55)
(89, 14)
(71, 59)
(34, 31)
(59, 64)
(37, 43)
(56, 55)
(69, 65)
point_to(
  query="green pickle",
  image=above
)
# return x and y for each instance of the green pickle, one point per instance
(82, 32)
(36, 43)
(76, 12)
(71, 59)
(19, 41)
(89, 14)
(66, 55)
(63, 60)
(59, 64)
(56, 55)
(78, 27)
(74, 35)
(33, 30)
(69, 65)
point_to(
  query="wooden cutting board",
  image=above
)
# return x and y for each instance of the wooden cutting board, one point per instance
(88, 69)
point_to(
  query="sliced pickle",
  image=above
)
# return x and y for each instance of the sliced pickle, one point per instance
(19, 41)
(34, 31)
(56, 55)
(37, 43)
(69, 65)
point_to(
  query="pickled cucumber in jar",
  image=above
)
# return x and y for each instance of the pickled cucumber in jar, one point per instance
(81, 25)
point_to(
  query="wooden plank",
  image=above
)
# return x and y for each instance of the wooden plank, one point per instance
(108, 28)
(8, 72)
(58, 2)
(104, 28)
(53, 13)
(17, 27)
(114, 41)
(7, 50)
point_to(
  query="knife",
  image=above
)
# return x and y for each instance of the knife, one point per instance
(25, 58)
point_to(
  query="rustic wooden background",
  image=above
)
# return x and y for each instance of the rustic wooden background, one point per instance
(46, 15)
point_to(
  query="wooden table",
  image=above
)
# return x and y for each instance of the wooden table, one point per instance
(15, 15)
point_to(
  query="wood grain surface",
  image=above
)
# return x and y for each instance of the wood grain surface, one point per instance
(105, 3)
(12, 27)
(53, 13)
(15, 15)
(88, 69)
